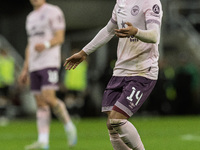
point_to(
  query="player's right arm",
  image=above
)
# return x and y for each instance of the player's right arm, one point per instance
(24, 73)
(73, 61)
(100, 39)
(104, 36)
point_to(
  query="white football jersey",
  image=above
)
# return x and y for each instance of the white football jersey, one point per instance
(137, 58)
(41, 25)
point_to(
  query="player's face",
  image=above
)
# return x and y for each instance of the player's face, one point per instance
(37, 3)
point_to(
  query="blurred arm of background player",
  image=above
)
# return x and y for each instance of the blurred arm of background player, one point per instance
(59, 37)
(23, 77)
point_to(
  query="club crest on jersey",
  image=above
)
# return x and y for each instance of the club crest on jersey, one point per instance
(135, 10)
(156, 9)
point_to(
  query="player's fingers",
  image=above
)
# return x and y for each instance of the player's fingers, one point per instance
(66, 62)
(75, 65)
(124, 30)
(121, 35)
(128, 23)
(68, 65)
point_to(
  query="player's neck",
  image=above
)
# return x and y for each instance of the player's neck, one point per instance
(38, 6)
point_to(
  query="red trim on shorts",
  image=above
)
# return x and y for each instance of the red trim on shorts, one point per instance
(120, 111)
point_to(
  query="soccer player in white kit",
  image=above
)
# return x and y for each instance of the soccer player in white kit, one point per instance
(137, 23)
(45, 27)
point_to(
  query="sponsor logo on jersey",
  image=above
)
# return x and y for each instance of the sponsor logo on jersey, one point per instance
(133, 39)
(156, 9)
(135, 10)
(41, 33)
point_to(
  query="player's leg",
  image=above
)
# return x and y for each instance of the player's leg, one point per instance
(43, 121)
(123, 97)
(42, 115)
(50, 80)
(134, 94)
(126, 130)
(115, 139)
(109, 99)
(59, 109)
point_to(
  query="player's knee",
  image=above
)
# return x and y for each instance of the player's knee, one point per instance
(39, 101)
(117, 122)
(109, 125)
(117, 115)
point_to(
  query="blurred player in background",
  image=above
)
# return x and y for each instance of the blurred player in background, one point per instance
(7, 80)
(45, 27)
(137, 24)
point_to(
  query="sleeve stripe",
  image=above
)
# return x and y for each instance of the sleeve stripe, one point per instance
(113, 21)
(153, 21)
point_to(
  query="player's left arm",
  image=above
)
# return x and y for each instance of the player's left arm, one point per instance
(153, 16)
(58, 38)
(149, 36)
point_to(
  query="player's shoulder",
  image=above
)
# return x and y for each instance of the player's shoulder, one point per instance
(148, 4)
(152, 1)
(30, 14)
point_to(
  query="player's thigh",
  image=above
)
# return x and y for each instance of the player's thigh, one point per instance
(49, 84)
(35, 83)
(49, 96)
(135, 93)
(116, 115)
(49, 79)
(40, 102)
(112, 93)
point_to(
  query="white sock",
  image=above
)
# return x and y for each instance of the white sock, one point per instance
(116, 141)
(61, 112)
(43, 138)
(43, 121)
(128, 133)
(69, 126)
(71, 133)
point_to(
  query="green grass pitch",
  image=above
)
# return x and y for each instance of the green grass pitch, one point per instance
(157, 133)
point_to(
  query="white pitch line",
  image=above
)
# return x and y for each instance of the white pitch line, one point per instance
(190, 137)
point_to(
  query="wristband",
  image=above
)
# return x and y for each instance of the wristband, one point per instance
(47, 44)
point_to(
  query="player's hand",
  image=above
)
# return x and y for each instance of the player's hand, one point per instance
(40, 47)
(73, 61)
(23, 78)
(130, 30)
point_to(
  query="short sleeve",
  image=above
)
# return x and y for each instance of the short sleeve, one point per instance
(57, 19)
(153, 12)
